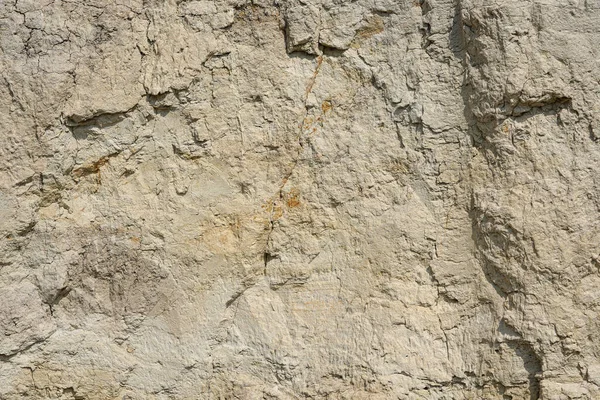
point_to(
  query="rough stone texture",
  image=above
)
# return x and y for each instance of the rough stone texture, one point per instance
(300, 199)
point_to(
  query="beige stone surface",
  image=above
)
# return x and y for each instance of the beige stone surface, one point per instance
(300, 199)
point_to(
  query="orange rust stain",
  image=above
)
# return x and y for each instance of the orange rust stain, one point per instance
(91, 168)
(326, 106)
(293, 198)
(277, 213)
(274, 209)
(311, 82)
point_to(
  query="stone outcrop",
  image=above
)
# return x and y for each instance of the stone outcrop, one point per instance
(300, 199)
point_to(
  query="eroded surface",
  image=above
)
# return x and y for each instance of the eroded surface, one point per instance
(332, 199)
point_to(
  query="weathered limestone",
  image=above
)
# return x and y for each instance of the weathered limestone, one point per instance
(320, 199)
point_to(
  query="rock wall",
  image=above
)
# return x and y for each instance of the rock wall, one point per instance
(300, 199)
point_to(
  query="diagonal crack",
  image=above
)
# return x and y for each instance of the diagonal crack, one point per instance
(296, 159)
